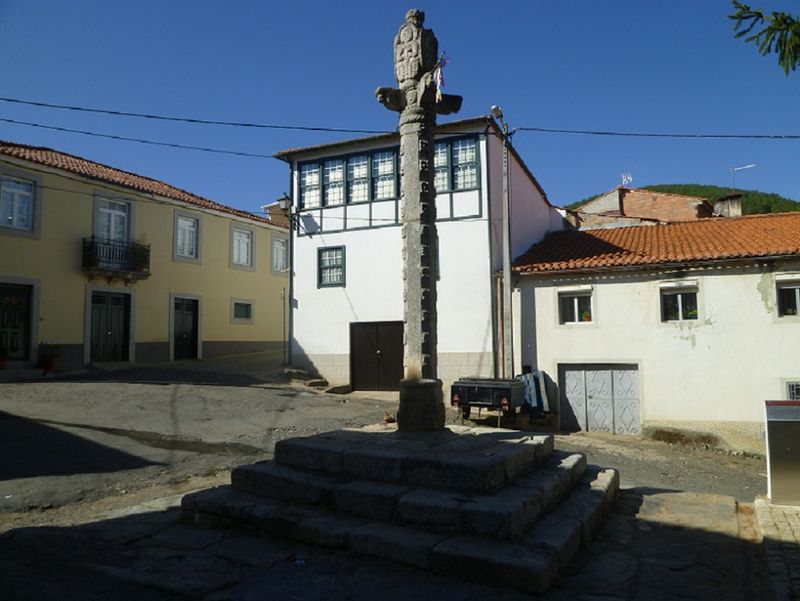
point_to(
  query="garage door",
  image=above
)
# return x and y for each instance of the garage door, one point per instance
(600, 398)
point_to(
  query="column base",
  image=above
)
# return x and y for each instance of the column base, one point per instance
(421, 406)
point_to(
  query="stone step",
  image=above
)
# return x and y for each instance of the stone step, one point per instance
(458, 458)
(530, 564)
(506, 513)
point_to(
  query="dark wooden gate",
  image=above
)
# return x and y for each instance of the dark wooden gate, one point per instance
(15, 321)
(110, 326)
(376, 355)
(185, 320)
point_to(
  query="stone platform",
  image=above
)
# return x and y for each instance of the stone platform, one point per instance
(488, 505)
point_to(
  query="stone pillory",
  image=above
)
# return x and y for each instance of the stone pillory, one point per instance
(418, 101)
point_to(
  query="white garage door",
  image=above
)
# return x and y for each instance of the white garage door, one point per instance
(600, 398)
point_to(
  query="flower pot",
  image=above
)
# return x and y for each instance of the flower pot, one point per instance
(48, 364)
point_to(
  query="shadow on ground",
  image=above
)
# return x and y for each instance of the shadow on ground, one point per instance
(177, 375)
(655, 544)
(32, 449)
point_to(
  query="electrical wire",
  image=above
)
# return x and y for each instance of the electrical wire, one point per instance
(623, 134)
(189, 119)
(138, 140)
(585, 132)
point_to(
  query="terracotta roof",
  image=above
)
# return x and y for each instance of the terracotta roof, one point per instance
(707, 240)
(112, 175)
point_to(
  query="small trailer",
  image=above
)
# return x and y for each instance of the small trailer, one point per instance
(489, 393)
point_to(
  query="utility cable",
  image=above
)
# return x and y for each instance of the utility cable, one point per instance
(189, 119)
(585, 132)
(138, 140)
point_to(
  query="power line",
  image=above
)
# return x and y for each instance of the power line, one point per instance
(138, 140)
(585, 132)
(84, 109)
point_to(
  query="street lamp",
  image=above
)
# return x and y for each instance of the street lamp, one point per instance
(508, 348)
(735, 169)
(285, 205)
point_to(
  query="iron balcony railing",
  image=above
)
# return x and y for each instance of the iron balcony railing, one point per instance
(111, 258)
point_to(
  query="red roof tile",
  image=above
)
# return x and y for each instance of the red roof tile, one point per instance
(651, 245)
(112, 175)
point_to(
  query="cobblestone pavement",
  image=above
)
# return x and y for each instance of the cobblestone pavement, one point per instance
(780, 531)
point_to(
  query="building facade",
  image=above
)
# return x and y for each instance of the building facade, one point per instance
(110, 266)
(347, 306)
(687, 326)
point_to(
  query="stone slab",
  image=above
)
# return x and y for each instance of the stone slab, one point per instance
(489, 562)
(375, 500)
(466, 459)
(395, 543)
(431, 508)
(268, 479)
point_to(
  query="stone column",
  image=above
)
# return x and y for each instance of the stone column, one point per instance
(417, 101)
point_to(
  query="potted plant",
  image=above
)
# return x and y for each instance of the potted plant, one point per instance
(3, 357)
(48, 353)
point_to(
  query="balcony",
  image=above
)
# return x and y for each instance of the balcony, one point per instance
(129, 261)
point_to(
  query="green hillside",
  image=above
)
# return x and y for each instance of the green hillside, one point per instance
(753, 201)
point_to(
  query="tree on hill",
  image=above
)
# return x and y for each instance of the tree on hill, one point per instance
(779, 32)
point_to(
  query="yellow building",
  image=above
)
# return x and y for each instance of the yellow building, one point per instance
(110, 266)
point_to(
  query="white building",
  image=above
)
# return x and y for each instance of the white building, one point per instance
(687, 326)
(347, 301)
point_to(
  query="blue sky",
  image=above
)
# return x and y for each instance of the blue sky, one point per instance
(659, 65)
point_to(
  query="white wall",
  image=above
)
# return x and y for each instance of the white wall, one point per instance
(531, 216)
(720, 368)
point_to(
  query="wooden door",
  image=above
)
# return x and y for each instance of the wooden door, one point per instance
(15, 321)
(110, 329)
(376, 355)
(185, 316)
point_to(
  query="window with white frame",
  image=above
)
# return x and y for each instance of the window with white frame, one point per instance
(384, 175)
(358, 179)
(330, 267)
(678, 304)
(788, 298)
(310, 192)
(441, 166)
(280, 255)
(575, 306)
(187, 237)
(455, 165)
(113, 219)
(465, 164)
(333, 180)
(16, 203)
(242, 247)
(793, 391)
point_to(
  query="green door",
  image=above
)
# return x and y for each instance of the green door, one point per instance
(110, 326)
(185, 321)
(15, 321)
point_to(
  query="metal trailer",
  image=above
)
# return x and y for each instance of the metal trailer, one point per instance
(500, 395)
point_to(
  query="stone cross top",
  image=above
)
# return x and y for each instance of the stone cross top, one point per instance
(417, 101)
